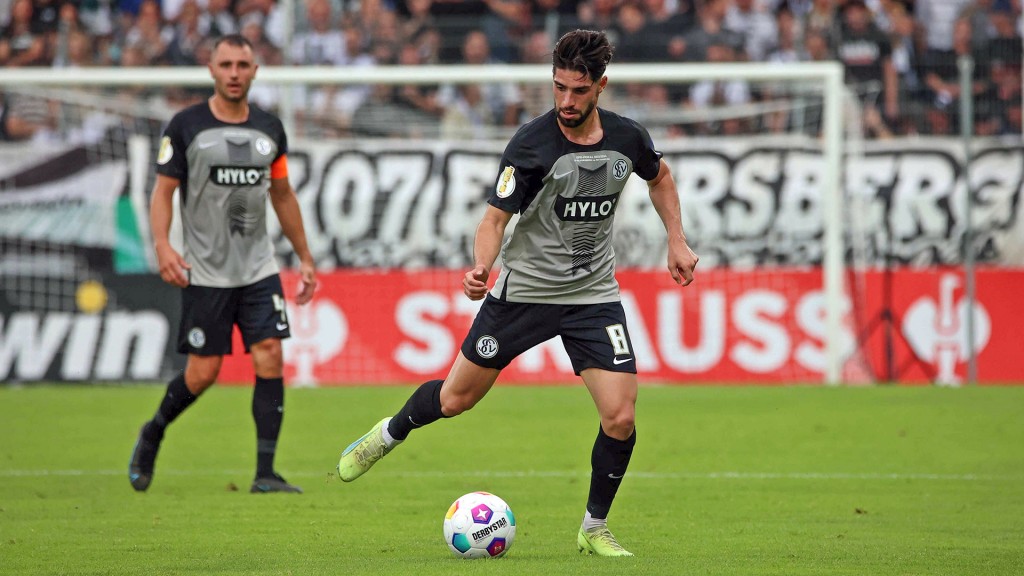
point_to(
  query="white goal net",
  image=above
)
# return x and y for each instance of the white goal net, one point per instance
(392, 166)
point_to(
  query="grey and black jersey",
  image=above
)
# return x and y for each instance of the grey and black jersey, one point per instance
(224, 170)
(560, 251)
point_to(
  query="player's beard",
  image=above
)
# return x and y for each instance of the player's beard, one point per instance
(242, 96)
(574, 122)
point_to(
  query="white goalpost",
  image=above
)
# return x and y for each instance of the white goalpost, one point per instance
(825, 77)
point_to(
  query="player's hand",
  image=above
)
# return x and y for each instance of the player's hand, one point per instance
(681, 262)
(474, 283)
(308, 285)
(172, 266)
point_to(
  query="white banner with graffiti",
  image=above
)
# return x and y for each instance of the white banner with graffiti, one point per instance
(745, 202)
(757, 201)
(59, 195)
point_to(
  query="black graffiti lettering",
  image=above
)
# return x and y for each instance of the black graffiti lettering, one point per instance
(741, 205)
(996, 179)
(403, 182)
(752, 206)
(800, 207)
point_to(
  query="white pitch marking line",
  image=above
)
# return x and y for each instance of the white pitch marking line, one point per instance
(558, 474)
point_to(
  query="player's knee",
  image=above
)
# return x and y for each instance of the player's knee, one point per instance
(201, 377)
(455, 404)
(619, 425)
(267, 358)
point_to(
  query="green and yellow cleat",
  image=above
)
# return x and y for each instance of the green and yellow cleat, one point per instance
(362, 454)
(600, 542)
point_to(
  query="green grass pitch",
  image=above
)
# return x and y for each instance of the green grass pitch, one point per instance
(724, 480)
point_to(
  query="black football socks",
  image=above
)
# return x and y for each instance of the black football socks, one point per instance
(268, 412)
(176, 399)
(422, 408)
(608, 462)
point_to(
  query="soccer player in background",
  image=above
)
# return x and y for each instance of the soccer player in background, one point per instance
(563, 173)
(225, 156)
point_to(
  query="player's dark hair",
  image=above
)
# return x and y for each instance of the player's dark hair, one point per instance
(234, 40)
(585, 51)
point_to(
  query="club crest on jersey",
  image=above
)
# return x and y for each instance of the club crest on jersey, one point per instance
(620, 169)
(263, 146)
(236, 175)
(487, 346)
(196, 337)
(166, 151)
(506, 182)
(585, 208)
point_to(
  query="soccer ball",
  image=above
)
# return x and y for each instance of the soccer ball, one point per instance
(479, 525)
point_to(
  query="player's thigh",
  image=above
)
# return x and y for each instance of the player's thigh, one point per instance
(261, 312)
(267, 358)
(465, 385)
(614, 395)
(207, 317)
(201, 372)
(595, 336)
(503, 330)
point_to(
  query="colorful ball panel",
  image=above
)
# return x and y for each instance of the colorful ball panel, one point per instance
(479, 525)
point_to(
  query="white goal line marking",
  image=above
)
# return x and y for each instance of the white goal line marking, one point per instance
(558, 474)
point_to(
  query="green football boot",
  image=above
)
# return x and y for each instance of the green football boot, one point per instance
(362, 454)
(600, 542)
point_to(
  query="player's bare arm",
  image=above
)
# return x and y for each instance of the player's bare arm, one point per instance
(486, 246)
(665, 197)
(286, 205)
(171, 264)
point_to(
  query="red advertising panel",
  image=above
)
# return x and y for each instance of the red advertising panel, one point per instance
(923, 317)
(764, 326)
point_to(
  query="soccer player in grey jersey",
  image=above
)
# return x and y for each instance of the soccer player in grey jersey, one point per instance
(563, 173)
(225, 157)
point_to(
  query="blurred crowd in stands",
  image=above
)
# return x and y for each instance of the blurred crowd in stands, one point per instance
(900, 56)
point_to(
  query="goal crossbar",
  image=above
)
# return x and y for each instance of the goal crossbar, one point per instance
(455, 74)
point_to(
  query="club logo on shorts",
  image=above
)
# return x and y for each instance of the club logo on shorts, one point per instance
(506, 182)
(166, 151)
(620, 169)
(487, 346)
(196, 337)
(263, 146)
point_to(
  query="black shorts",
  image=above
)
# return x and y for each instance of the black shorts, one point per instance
(208, 314)
(594, 335)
